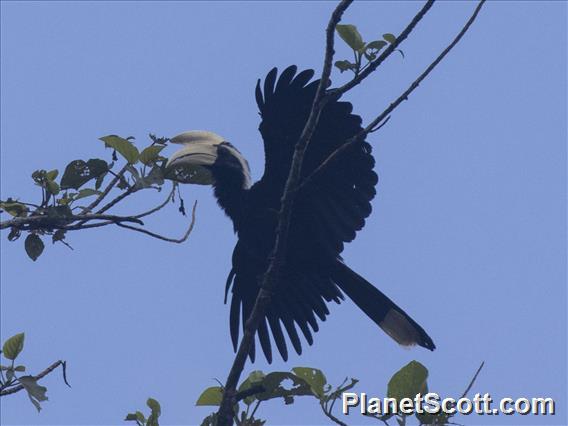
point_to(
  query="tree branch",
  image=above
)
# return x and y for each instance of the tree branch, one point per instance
(274, 271)
(329, 414)
(253, 390)
(404, 96)
(109, 187)
(118, 199)
(388, 51)
(272, 275)
(161, 206)
(161, 237)
(38, 377)
(44, 221)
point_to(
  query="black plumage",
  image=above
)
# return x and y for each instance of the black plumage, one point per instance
(327, 214)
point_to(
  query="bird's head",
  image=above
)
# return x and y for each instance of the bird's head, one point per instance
(204, 158)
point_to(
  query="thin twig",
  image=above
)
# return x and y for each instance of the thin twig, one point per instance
(105, 192)
(272, 276)
(38, 377)
(422, 76)
(121, 197)
(332, 417)
(161, 206)
(388, 51)
(384, 115)
(63, 221)
(473, 380)
(161, 237)
(80, 226)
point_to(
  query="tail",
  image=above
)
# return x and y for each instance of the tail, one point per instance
(392, 319)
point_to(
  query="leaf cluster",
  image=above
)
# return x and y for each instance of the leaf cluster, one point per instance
(287, 385)
(140, 418)
(258, 387)
(362, 50)
(10, 379)
(59, 209)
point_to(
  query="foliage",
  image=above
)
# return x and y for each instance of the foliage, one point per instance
(361, 49)
(141, 420)
(12, 382)
(59, 210)
(258, 387)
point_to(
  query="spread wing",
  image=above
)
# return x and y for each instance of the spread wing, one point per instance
(327, 213)
(337, 201)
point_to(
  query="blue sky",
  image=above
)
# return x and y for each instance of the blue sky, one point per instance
(468, 231)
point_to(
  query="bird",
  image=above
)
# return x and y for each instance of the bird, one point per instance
(328, 212)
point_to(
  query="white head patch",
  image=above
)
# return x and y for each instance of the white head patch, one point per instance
(200, 148)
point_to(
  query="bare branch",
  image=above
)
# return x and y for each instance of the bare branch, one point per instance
(388, 51)
(329, 414)
(422, 76)
(404, 96)
(161, 237)
(118, 199)
(473, 380)
(272, 276)
(159, 207)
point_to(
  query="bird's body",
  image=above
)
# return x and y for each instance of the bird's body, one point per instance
(327, 213)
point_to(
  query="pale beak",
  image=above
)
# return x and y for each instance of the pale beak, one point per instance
(191, 164)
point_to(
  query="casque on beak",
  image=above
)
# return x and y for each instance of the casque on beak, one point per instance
(191, 164)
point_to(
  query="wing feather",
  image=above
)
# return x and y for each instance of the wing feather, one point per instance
(327, 213)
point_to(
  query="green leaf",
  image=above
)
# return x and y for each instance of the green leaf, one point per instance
(211, 396)
(274, 388)
(345, 65)
(156, 412)
(34, 246)
(86, 192)
(39, 177)
(20, 368)
(52, 174)
(254, 378)
(79, 172)
(376, 45)
(14, 234)
(391, 38)
(13, 208)
(53, 187)
(150, 154)
(351, 36)
(155, 177)
(314, 377)
(130, 416)
(123, 146)
(36, 393)
(58, 235)
(409, 381)
(100, 180)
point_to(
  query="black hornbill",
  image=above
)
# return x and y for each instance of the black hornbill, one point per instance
(327, 213)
